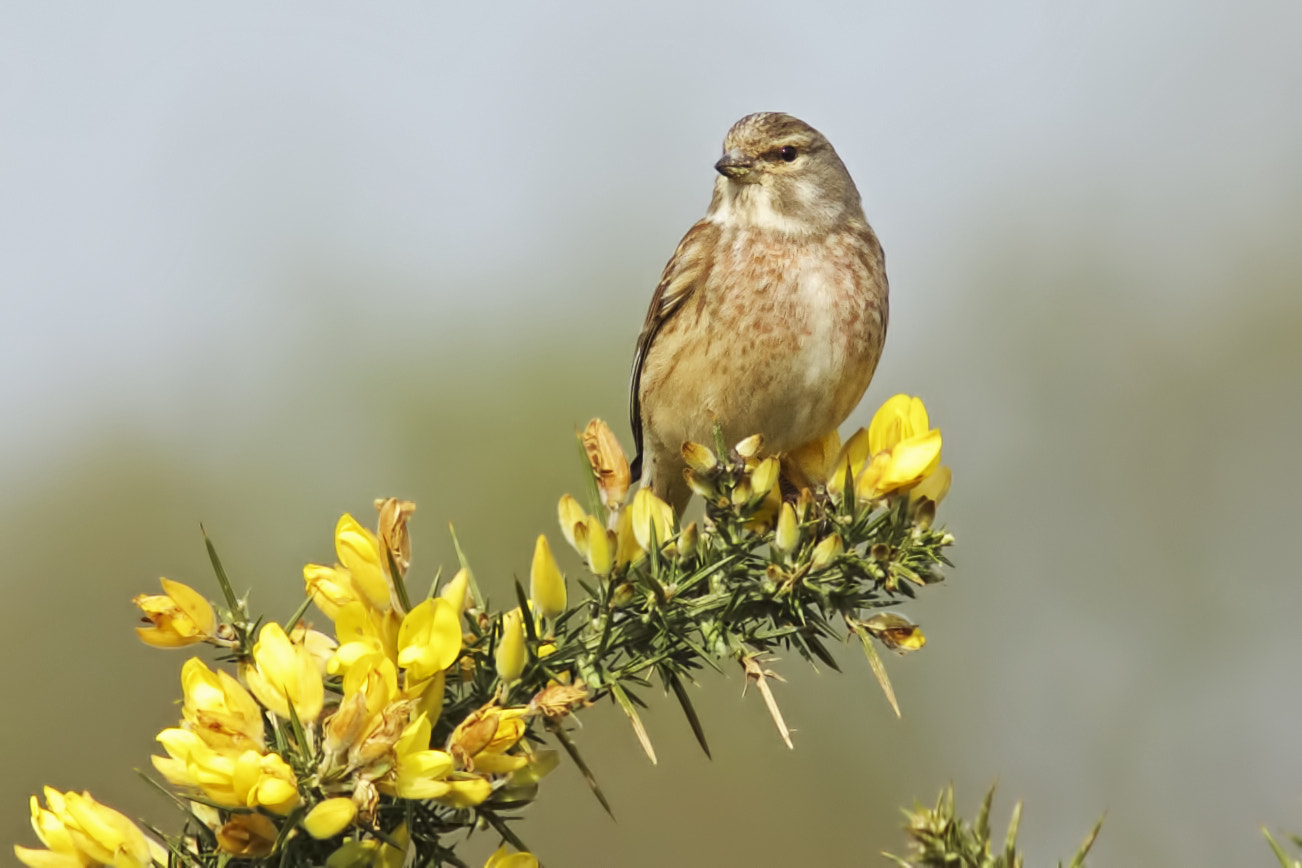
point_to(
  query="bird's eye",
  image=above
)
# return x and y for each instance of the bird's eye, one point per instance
(787, 153)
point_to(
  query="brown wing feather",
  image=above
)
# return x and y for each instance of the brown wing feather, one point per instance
(683, 273)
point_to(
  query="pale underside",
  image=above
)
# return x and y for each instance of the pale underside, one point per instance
(777, 336)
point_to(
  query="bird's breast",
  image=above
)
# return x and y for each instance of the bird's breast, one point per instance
(796, 327)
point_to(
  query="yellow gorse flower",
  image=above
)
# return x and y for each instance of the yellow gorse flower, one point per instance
(180, 616)
(896, 452)
(429, 640)
(79, 831)
(905, 448)
(360, 577)
(249, 779)
(219, 710)
(480, 742)
(365, 636)
(284, 673)
(249, 836)
(418, 771)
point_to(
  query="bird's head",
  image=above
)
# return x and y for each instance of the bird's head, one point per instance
(778, 172)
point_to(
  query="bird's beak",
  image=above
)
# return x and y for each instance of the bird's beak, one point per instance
(734, 164)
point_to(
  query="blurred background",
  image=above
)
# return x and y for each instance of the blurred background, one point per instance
(262, 265)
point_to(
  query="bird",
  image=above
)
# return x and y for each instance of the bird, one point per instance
(771, 314)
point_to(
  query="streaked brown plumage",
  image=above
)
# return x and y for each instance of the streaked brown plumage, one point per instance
(770, 316)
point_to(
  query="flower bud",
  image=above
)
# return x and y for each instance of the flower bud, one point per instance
(765, 476)
(700, 484)
(455, 591)
(546, 584)
(742, 493)
(511, 657)
(570, 514)
(750, 447)
(600, 547)
(699, 458)
(688, 540)
(395, 541)
(608, 462)
(828, 550)
(788, 533)
(329, 818)
(651, 517)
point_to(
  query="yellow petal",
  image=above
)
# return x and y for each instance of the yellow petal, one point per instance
(466, 793)
(852, 457)
(330, 817)
(330, 589)
(79, 827)
(911, 460)
(499, 763)
(626, 548)
(219, 709)
(901, 417)
(810, 464)
(934, 487)
(192, 603)
(420, 775)
(46, 858)
(429, 639)
(284, 673)
(276, 795)
(359, 551)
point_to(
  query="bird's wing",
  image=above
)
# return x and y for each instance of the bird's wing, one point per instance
(686, 271)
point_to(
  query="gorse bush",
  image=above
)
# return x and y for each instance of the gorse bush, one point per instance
(421, 718)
